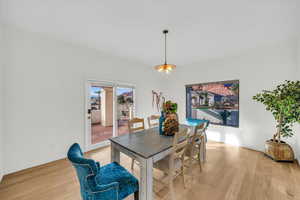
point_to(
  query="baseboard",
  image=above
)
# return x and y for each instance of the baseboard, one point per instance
(97, 146)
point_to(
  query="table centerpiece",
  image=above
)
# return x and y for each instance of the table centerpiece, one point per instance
(168, 122)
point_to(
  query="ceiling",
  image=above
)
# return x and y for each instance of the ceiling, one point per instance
(198, 29)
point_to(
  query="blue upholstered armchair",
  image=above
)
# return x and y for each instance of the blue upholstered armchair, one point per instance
(109, 182)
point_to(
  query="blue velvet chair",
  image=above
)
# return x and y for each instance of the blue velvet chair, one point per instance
(109, 182)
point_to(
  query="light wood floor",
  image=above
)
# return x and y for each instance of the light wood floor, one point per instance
(230, 173)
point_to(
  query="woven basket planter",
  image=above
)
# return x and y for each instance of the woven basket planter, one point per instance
(279, 151)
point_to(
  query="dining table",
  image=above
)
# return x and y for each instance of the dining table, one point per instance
(146, 147)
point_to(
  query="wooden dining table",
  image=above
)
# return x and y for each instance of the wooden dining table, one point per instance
(147, 147)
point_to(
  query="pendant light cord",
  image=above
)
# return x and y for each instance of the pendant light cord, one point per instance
(165, 48)
(165, 32)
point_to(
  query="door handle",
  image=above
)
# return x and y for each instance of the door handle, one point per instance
(89, 112)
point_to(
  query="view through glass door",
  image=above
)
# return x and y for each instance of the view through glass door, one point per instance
(109, 107)
(125, 108)
(101, 113)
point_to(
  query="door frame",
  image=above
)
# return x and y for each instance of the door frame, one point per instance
(88, 131)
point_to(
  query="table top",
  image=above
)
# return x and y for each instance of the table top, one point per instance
(146, 143)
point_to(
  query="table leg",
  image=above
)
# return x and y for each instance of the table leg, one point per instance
(146, 179)
(114, 153)
(203, 150)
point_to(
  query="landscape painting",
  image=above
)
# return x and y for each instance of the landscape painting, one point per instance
(217, 102)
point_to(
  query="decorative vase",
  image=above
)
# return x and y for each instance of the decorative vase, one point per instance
(170, 125)
(168, 121)
(162, 119)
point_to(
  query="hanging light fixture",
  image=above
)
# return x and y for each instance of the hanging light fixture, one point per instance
(165, 67)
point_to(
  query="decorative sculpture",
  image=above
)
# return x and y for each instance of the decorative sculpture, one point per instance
(170, 124)
(157, 100)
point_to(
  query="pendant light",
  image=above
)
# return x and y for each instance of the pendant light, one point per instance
(167, 68)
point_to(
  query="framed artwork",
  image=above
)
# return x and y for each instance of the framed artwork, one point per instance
(217, 102)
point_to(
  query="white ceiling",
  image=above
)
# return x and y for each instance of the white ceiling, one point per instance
(132, 28)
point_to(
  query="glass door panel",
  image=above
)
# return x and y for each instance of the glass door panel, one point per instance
(124, 107)
(101, 113)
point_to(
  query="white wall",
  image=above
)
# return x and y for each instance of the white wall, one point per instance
(48, 76)
(257, 69)
(297, 77)
(1, 104)
(44, 75)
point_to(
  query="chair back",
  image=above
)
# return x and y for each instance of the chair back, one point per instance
(136, 124)
(198, 132)
(151, 119)
(84, 168)
(180, 142)
(199, 129)
(197, 136)
(206, 125)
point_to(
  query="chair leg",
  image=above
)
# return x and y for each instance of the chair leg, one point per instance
(182, 171)
(203, 147)
(183, 180)
(171, 191)
(136, 195)
(132, 164)
(199, 157)
(191, 158)
(200, 165)
(170, 176)
(204, 152)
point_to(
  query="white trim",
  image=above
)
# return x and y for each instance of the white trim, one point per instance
(104, 143)
(111, 83)
(115, 124)
(86, 120)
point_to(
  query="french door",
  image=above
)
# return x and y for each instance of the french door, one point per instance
(109, 106)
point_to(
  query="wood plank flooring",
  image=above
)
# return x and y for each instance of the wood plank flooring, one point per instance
(230, 173)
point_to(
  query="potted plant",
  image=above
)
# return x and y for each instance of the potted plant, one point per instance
(284, 103)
